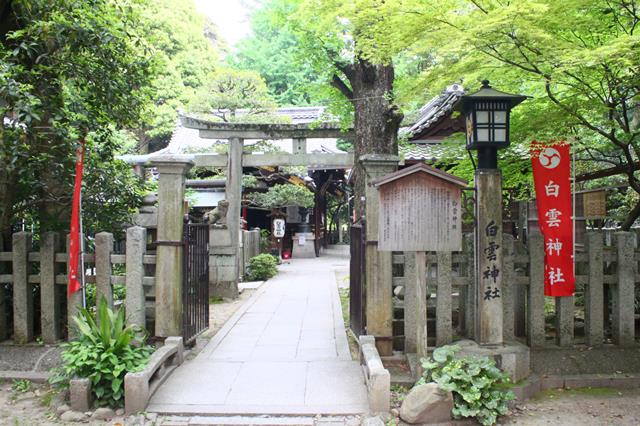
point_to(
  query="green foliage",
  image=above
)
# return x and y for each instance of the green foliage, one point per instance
(577, 59)
(68, 69)
(265, 236)
(119, 293)
(272, 51)
(21, 385)
(262, 267)
(228, 91)
(187, 48)
(279, 196)
(478, 386)
(105, 351)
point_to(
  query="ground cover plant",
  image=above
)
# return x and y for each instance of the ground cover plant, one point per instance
(262, 267)
(104, 352)
(478, 386)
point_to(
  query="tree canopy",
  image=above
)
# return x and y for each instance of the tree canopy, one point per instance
(578, 59)
(69, 69)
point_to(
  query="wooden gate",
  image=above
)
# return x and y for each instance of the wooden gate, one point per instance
(195, 287)
(357, 320)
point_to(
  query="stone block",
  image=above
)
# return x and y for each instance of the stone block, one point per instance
(80, 394)
(427, 404)
(378, 378)
(103, 413)
(176, 341)
(553, 382)
(136, 392)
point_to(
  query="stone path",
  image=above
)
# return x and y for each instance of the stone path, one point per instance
(284, 352)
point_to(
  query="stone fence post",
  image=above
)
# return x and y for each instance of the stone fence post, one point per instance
(50, 295)
(23, 311)
(4, 326)
(623, 293)
(104, 248)
(594, 293)
(135, 300)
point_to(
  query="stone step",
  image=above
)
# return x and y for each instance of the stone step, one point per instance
(258, 420)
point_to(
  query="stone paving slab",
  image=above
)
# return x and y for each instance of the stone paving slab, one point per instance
(284, 352)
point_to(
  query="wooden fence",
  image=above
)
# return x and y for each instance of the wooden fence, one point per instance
(603, 310)
(33, 283)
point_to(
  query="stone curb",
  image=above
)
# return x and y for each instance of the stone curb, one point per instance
(535, 384)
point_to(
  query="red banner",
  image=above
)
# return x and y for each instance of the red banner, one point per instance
(552, 177)
(74, 233)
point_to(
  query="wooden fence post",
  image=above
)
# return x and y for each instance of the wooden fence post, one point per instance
(443, 299)
(135, 300)
(23, 311)
(50, 307)
(624, 297)
(104, 248)
(594, 293)
(508, 288)
(535, 308)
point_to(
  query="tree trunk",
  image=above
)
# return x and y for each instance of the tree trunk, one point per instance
(377, 119)
(7, 195)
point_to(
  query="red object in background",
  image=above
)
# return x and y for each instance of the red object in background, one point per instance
(552, 177)
(286, 254)
(74, 232)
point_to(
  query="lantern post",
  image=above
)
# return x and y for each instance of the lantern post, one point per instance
(487, 114)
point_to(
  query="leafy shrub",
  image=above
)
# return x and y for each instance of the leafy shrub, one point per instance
(478, 386)
(103, 353)
(119, 293)
(262, 267)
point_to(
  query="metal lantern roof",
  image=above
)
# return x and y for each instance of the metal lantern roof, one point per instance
(488, 93)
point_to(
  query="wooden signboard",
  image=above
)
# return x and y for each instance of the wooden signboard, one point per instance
(420, 210)
(595, 204)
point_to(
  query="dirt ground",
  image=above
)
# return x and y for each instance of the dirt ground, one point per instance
(584, 407)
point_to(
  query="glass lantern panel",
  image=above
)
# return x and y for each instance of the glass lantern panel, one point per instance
(482, 117)
(483, 135)
(500, 117)
(500, 135)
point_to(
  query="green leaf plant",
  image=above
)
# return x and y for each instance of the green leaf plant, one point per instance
(478, 386)
(104, 352)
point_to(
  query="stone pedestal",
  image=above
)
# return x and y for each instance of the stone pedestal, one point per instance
(511, 357)
(170, 248)
(304, 246)
(378, 282)
(223, 264)
(488, 254)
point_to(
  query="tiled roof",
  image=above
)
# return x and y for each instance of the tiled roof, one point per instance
(437, 108)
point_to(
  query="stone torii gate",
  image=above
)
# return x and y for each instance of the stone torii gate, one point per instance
(224, 242)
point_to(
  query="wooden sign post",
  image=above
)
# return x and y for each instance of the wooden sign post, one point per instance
(419, 212)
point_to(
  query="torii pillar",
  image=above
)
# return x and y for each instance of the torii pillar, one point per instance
(224, 243)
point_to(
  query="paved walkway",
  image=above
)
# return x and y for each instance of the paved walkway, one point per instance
(284, 352)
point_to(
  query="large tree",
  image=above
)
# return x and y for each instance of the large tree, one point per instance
(578, 59)
(328, 36)
(68, 69)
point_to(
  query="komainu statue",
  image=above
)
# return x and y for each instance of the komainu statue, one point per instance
(218, 216)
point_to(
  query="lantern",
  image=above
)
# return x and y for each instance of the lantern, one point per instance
(487, 122)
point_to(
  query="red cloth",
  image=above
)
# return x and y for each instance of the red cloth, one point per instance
(551, 164)
(74, 233)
